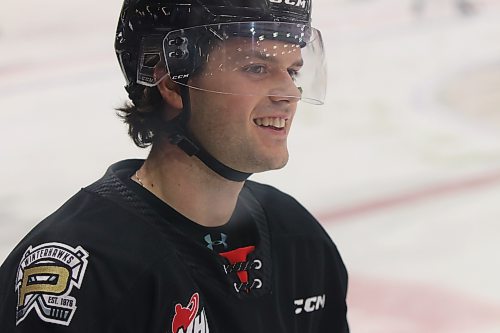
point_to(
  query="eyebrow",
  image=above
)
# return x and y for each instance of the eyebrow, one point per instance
(261, 55)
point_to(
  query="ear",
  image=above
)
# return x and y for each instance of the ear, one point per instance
(170, 91)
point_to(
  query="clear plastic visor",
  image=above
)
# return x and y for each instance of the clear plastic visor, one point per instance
(281, 60)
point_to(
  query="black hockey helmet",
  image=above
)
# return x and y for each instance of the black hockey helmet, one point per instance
(157, 38)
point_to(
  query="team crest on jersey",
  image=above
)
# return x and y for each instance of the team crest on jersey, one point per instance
(190, 318)
(45, 278)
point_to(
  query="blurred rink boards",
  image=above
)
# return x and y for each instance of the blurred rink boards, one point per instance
(401, 165)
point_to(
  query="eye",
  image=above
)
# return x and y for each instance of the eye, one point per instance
(256, 69)
(293, 73)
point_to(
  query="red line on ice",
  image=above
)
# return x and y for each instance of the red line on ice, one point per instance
(402, 199)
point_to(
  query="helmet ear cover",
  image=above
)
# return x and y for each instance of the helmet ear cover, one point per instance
(183, 54)
(186, 51)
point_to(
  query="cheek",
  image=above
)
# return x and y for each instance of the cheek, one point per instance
(224, 109)
(219, 118)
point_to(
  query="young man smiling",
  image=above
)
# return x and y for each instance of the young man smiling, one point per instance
(182, 242)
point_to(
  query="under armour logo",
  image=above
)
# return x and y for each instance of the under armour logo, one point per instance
(211, 243)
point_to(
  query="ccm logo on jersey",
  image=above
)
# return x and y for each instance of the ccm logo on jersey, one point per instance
(45, 278)
(309, 304)
(187, 319)
(298, 3)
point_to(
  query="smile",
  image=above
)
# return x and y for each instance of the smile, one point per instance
(275, 122)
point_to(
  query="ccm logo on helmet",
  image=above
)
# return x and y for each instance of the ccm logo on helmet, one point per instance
(298, 3)
(182, 76)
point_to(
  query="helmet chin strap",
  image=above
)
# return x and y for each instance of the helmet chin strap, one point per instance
(178, 135)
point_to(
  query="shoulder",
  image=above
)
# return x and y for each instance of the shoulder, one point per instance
(99, 231)
(99, 251)
(92, 220)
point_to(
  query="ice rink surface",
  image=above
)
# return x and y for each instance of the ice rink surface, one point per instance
(401, 165)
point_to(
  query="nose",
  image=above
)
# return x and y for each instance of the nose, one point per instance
(286, 90)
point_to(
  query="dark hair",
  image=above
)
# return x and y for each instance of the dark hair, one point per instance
(144, 113)
(144, 117)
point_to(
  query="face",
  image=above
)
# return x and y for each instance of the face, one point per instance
(245, 124)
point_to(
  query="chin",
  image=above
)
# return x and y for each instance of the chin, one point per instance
(281, 164)
(274, 164)
(256, 163)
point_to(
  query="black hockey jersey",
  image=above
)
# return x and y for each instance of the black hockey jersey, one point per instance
(106, 261)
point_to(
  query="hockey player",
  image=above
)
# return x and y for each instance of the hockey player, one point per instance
(183, 242)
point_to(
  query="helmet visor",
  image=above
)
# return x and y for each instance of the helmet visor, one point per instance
(284, 60)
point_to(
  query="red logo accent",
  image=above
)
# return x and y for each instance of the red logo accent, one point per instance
(184, 316)
(239, 255)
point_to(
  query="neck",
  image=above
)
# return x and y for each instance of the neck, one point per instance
(188, 186)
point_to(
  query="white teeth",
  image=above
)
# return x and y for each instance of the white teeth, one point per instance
(271, 121)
